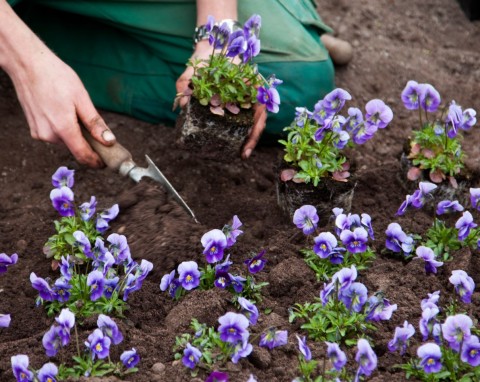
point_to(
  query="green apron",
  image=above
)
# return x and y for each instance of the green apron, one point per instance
(129, 54)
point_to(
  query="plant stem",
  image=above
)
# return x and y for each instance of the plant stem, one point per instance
(76, 340)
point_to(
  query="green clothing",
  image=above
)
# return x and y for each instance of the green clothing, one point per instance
(129, 53)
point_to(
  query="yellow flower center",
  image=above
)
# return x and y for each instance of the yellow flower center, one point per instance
(98, 347)
(189, 278)
(213, 249)
(430, 361)
(323, 247)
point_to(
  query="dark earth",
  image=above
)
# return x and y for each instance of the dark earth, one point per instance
(425, 40)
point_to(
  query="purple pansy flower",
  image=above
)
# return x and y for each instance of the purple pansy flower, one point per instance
(350, 221)
(249, 310)
(365, 357)
(66, 268)
(61, 289)
(222, 280)
(321, 113)
(453, 119)
(379, 308)
(355, 118)
(47, 373)
(20, 368)
(87, 209)
(420, 195)
(232, 231)
(6, 261)
(464, 285)
(345, 277)
(471, 351)
(475, 198)
(66, 321)
(45, 291)
(303, 347)
(363, 133)
(82, 242)
(242, 349)
(468, 119)
(256, 263)
(4, 320)
(397, 240)
(430, 357)
(336, 355)
(270, 98)
(219, 36)
(367, 224)
(166, 280)
(99, 344)
(62, 200)
(341, 139)
(429, 98)
(404, 206)
(63, 177)
(232, 327)
(356, 241)
(428, 255)
(106, 217)
(118, 247)
(130, 358)
(237, 44)
(411, 95)
(325, 293)
(378, 114)
(354, 297)
(456, 330)
(52, 341)
(306, 219)
(401, 337)
(214, 243)
(464, 225)
(273, 338)
(96, 281)
(237, 282)
(109, 328)
(109, 286)
(325, 243)
(432, 299)
(428, 320)
(217, 376)
(252, 26)
(446, 206)
(191, 356)
(335, 100)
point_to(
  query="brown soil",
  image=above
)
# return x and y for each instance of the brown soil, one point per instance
(395, 41)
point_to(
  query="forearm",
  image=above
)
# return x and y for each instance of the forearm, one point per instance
(219, 9)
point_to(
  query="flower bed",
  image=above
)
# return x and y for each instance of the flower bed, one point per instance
(159, 231)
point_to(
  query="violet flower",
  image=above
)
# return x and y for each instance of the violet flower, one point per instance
(52, 341)
(167, 280)
(219, 36)
(87, 209)
(273, 338)
(456, 330)
(109, 286)
(66, 268)
(432, 299)
(464, 285)
(378, 114)
(237, 282)
(475, 198)
(106, 217)
(325, 244)
(336, 355)
(232, 231)
(47, 373)
(98, 344)
(191, 356)
(320, 113)
(130, 358)
(335, 100)
(356, 241)
(189, 275)
(428, 320)
(63, 177)
(252, 26)
(446, 206)
(419, 196)
(464, 225)
(366, 358)
(45, 291)
(96, 281)
(453, 120)
(303, 348)
(350, 221)
(232, 327)
(109, 328)
(62, 200)
(429, 98)
(217, 376)
(341, 139)
(222, 280)
(256, 263)
(6, 261)
(355, 118)
(471, 351)
(468, 119)
(428, 255)
(367, 224)
(379, 308)
(20, 368)
(82, 242)
(325, 293)
(225, 266)
(345, 277)
(214, 243)
(306, 219)
(397, 240)
(404, 206)
(5, 320)
(242, 349)
(249, 310)
(61, 289)
(119, 247)
(66, 321)
(237, 44)
(430, 357)
(270, 98)
(354, 297)
(401, 337)
(411, 95)
(363, 133)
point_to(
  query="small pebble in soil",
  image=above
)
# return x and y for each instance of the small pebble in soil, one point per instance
(158, 368)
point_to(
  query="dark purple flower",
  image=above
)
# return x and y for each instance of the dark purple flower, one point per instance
(273, 338)
(304, 349)
(106, 217)
(379, 308)
(99, 344)
(232, 231)
(464, 225)
(217, 376)
(475, 198)
(419, 196)
(429, 98)
(411, 95)
(336, 355)
(20, 368)
(82, 242)
(47, 373)
(252, 26)
(119, 248)
(87, 210)
(428, 255)
(471, 351)
(468, 119)
(252, 49)
(236, 44)
(356, 241)
(401, 337)
(232, 327)
(242, 349)
(365, 357)
(96, 281)
(52, 341)
(45, 291)
(61, 289)
(430, 357)
(222, 280)
(214, 243)
(378, 114)
(306, 219)
(62, 200)
(464, 285)
(4, 320)
(249, 310)
(109, 286)
(6, 261)
(397, 240)
(354, 297)
(219, 36)
(130, 358)
(256, 263)
(66, 321)
(237, 282)
(446, 206)
(63, 177)
(270, 98)
(456, 330)
(109, 328)
(191, 356)
(335, 100)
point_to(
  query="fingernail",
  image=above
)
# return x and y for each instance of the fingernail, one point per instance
(108, 135)
(248, 152)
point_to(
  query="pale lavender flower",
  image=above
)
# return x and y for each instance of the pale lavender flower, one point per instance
(62, 200)
(397, 240)
(99, 344)
(191, 356)
(66, 268)
(273, 338)
(471, 351)
(356, 241)
(130, 358)
(475, 198)
(378, 114)
(4, 320)
(63, 177)
(446, 206)
(401, 337)
(47, 373)
(354, 297)
(66, 321)
(379, 308)
(52, 341)
(106, 217)
(6, 261)
(456, 330)
(363, 133)
(355, 118)
(428, 320)
(41, 285)
(367, 224)
(464, 285)
(365, 357)
(109, 328)
(270, 98)
(82, 242)
(411, 95)
(119, 248)
(325, 293)
(345, 277)
(87, 209)
(343, 222)
(306, 219)
(167, 280)
(249, 310)
(336, 355)
(320, 113)
(96, 281)
(429, 98)
(303, 347)
(189, 275)
(468, 119)
(432, 299)
(252, 26)
(341, 139)
(453, 120)
(214, 243)
(428, 256)
(334, 101)
(20, 368)
(404, 206)
(430, 357)
(232, 327)
(242, 349)
(464, 225)
(232, 231)
(419, 196)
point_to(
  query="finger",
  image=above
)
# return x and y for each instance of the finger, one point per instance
(260, 119)
(182, 85)
(92, 121)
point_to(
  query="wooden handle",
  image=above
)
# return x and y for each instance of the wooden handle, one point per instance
(113, 156)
